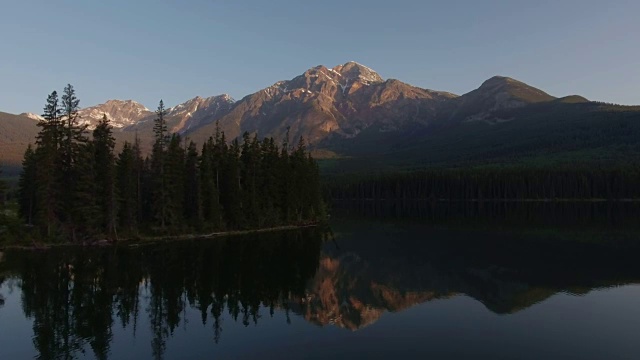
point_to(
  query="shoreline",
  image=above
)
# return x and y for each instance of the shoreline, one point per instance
(135, 241)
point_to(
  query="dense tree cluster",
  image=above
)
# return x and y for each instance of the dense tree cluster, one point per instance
(508, 183)
(3, 190)
(77, 187)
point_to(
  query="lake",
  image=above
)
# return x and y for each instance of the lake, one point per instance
(385, 280)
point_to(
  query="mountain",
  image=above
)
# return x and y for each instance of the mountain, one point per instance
(363, 122)
(16, 133)
(190, 115)
(121, 113)
(324, 103)
(493, 96)
(32, 116)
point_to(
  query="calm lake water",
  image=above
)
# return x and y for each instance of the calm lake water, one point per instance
(499, 281)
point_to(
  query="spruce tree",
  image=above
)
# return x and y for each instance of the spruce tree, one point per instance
(210, 198)
(159, 185)
(28, 186)
(269, 182)
(141, 188)
(250, 175)
(127, 184)
(79, 209)
(3, 190)
(104, 160)
(175, 178)
(231, 190)
(192, 200)
(45, 211)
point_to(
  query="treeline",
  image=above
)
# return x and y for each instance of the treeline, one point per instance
(76, 187)
(494, 184)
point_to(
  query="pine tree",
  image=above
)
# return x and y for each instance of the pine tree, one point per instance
(210, 198)
(192, 201)
(140, 173)
(270, 183)
(46, 201)
(250, 175)
(27, 186)
(127, 185)
(175, 179)
(77, 177)
(159, 192)
(287, 184)
(3, 190)
(231, 190)
(104, 160)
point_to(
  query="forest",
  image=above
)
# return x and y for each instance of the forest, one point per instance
(494, 183)
(75, 188)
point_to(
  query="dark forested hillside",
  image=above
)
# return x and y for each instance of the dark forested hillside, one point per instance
(543, 134)
(494, 184)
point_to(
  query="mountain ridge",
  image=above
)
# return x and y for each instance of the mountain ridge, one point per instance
(352, 111)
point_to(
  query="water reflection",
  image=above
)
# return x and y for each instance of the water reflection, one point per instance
(78, 299)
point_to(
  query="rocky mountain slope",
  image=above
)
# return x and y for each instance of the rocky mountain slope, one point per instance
(352, 113)
(121, 113)
(16, 132)
(493, 97)
(190, 115)
(322, 103)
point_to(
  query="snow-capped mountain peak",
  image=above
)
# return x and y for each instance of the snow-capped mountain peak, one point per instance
(121, 113)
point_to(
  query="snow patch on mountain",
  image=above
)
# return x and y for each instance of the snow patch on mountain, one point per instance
(32, 116)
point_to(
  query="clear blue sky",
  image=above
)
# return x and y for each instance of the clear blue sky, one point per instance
(146, 50)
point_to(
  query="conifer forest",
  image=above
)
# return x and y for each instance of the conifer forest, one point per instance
(75, 187)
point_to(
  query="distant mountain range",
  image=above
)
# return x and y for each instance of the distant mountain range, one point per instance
(352, 114)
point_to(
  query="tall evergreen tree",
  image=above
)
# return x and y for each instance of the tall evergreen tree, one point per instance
(28, 186)
(209, 195)
(47, 193)
(192, 200)
(175, 178)
(250, 175)
(3, 190)
(127, 187)
(103, 145)
(270, 182)
(76, 170)
(231, 190)
(140, 172)
(159, 187)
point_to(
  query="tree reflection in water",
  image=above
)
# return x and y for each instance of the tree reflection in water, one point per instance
(77, 297)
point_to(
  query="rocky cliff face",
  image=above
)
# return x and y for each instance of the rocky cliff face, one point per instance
(121, 113)
(321, 103)
(188, 116)
(198, 112)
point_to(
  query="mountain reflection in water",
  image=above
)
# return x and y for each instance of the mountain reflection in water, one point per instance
(348, 276)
